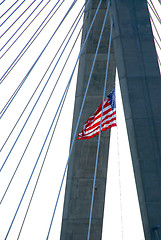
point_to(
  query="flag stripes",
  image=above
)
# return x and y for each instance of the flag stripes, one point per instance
(92, 126)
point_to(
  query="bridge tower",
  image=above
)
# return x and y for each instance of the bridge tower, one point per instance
(133, 52)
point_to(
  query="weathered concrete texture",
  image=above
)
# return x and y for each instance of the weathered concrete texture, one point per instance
(140, 82)
(82, 163)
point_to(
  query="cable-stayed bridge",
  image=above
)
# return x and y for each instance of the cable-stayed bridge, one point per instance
(39, 66)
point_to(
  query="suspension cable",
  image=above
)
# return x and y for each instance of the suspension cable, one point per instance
(99, 136)
(155, 27)
(159, 61)
(37, 180)
(157, 34)
(21, 84)
(16, 19)
(40, 118)
(36, 162)
(25, 29)
(157, 43)
(41, 79)
(47, 147)
(12, 65)
(2, 2)
(120, 187)
(50, 128)
(61, 101)
(80, 113)
(36, 101)
(21, 25)
(13, 12)
(119, 174)
(154, 11)
(8, 9)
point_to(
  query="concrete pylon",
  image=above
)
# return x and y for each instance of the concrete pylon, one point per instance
(82, 163)
(140, 83)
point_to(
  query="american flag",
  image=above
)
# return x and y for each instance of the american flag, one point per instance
(92, 126)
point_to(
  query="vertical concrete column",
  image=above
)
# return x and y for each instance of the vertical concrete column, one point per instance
(82, 163)
(140, 82)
